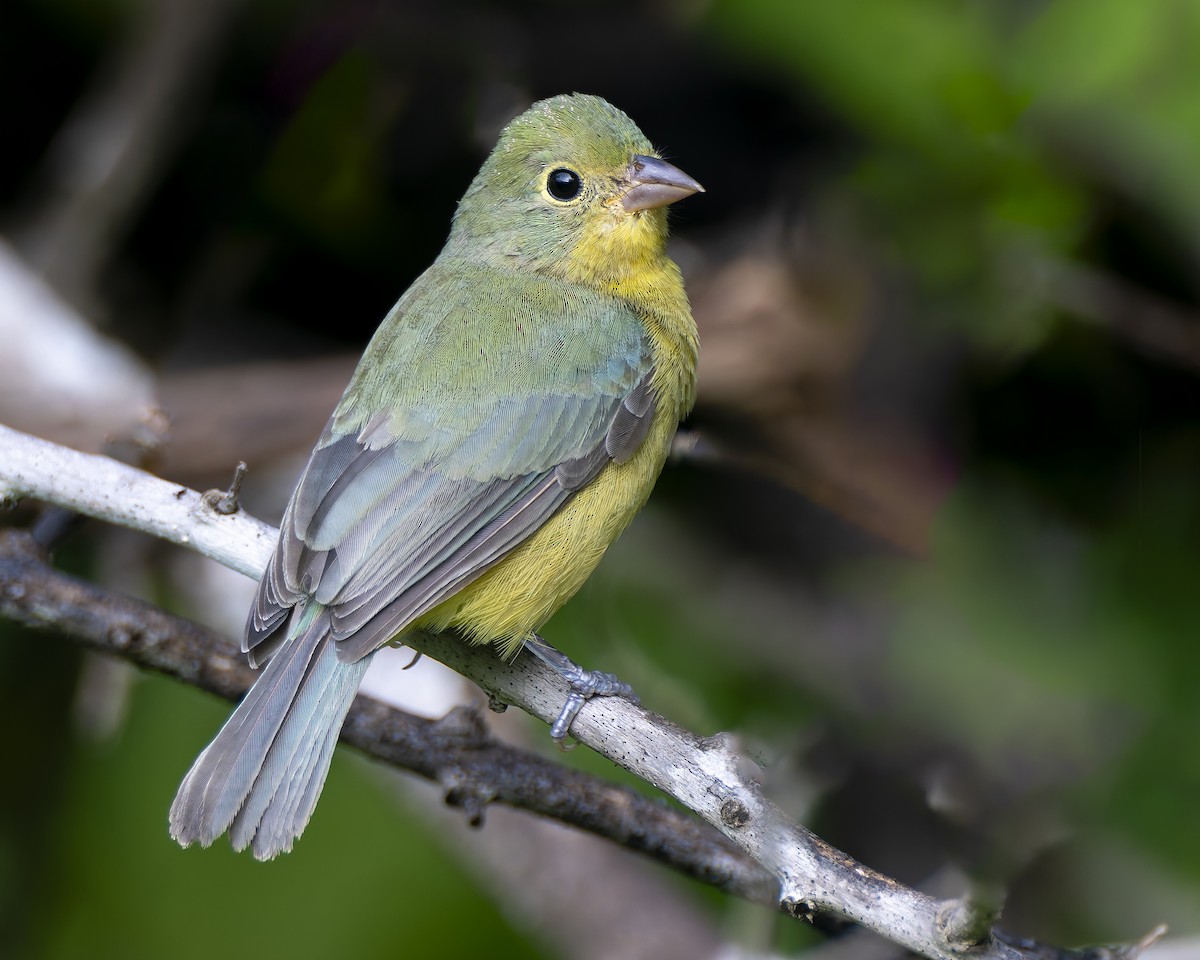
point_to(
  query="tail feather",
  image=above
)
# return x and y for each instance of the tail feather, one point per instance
(293, 731)
(224, 773)
(273, 790)
(278, 827)
(237, 761)
(261, 775)
(298, 760)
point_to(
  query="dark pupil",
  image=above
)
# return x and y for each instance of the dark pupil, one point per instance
(564, 184)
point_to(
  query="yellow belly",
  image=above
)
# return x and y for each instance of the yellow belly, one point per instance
(514, 598)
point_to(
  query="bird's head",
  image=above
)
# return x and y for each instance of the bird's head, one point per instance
(574, 189)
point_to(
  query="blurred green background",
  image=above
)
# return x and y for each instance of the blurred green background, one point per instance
(934, 556)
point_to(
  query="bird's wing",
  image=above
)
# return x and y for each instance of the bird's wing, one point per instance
(458, 437)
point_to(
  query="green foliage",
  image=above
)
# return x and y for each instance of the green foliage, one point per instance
(974, 114)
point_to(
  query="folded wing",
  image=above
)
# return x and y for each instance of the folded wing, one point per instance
(419, 486)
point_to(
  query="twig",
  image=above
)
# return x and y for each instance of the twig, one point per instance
(704, 774)
(227, 502)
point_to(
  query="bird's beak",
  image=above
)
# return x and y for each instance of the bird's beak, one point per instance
(655, 183)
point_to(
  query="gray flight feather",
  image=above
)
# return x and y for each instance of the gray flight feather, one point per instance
(397, 540)
(632, 420)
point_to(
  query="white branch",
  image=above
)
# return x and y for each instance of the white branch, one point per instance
(704, 774)
(103, 488)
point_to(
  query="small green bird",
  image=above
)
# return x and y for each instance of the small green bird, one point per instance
(504, 425)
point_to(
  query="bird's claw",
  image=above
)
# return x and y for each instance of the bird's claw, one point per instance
(584, 684)
(570, 710)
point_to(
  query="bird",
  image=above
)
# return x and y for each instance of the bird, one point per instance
(506, 421)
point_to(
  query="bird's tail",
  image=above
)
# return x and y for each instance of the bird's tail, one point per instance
(262, 774)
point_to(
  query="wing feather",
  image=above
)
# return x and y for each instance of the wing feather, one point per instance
(395, 511)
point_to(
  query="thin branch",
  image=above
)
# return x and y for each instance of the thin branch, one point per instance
(703, 773)
(107, 490)
(456, 751)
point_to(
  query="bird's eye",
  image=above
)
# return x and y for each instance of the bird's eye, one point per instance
(564, 184)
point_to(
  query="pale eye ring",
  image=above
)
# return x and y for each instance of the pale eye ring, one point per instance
(563, 184)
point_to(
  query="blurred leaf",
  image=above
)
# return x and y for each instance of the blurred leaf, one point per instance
(967, 195)
(1117, 81)
(1071, 649)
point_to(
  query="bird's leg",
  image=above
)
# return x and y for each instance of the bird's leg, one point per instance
(584, 684)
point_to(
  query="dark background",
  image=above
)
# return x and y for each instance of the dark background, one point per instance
(934, 556)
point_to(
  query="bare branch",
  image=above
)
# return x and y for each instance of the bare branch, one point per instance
(703, 773)
(456, 752)
(107, 490)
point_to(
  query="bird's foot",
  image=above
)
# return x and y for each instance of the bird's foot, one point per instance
(584, 684)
